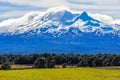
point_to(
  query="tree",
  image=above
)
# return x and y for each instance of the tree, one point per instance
(97, 62)
(40, 63)
(79, 64)
(84, 62)
(50, 62)
(64, 65)
(115, 61)
(6, 66)
(106, 62)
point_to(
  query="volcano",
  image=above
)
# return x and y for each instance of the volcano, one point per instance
(60, 30)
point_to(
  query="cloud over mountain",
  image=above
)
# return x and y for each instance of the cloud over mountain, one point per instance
(60, 30)
(57, 19)
(7, 7)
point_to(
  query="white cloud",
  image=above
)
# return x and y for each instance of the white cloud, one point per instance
(12, 14)
(3, 7)
(117, 21)
(33, 21)
(38, 3)
(53, 3)
(104, 18)
(98, 2)
(109, 7)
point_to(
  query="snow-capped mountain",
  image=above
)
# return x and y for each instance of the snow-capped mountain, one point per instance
(60, 30)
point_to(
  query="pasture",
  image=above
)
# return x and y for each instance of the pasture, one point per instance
(61, 74)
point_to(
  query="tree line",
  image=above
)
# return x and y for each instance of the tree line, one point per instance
(50, 60)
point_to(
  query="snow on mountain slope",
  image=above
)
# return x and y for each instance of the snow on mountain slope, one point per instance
(60, 30)
(60, 20)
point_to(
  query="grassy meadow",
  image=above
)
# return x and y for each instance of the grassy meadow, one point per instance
(61, 74)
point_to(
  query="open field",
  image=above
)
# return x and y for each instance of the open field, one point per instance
(16, 67)
(61, 74)
(20, 67)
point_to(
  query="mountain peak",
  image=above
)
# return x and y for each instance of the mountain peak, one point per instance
(60, 30)
(55, 20)
(61, 15)
(84, 14)
(85, 17)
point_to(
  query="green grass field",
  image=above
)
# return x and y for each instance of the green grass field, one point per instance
(61, 74)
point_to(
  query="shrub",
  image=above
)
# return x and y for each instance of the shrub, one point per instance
(6, 66)
(64, 65)
(51, 64)
(40, 63)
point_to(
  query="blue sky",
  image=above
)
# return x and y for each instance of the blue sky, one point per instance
(16, 8)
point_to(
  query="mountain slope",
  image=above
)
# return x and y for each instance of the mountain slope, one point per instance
(60, 30)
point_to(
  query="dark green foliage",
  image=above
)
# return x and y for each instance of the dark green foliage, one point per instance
(64, 65)
(40, 63)
(79, 64)
(51, 64)
(6, 66)
(50, 60)
(106, 62)
(115, 61)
